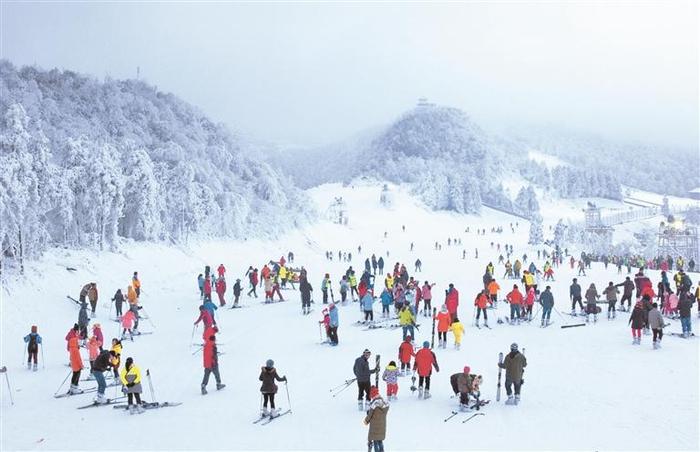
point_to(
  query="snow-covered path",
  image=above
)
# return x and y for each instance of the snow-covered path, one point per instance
(586, 388)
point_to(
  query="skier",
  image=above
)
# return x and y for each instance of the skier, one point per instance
(387, 301)
(628, 287)
(104, 362)
(376, 419)
(656, 323)
(514, 364)
(611, 297)
(118, 299)
(97, 332)
(211, 364)
(353, 285)
(547, 302)
(83, 320)
(493, 289)
(418, 265)
(325, 285)
(362, 375)
(637, 321)
(685, 303)
(136, 283)
(236, 292)
(444, 319)
(575, 296)
(89, 290)
(221, 289)
(452, 300)
(117, 349)
(205, 317)
(407, 321)
(423, 364)
(93, 349)
(374, 264)
(200, 284)
(268, 375)
(221, 270)
(406, 352)
(458, 330)
(76, 364)
(426, 294)
(591, 302)
(305, 290)
(333, 324)
(391, 377)
(480, 301)
(130, 377)
(33, 340)
(581, 268)
(515, 298)
(380, 265)
(463, 385)
(207, 289)
(253, 279)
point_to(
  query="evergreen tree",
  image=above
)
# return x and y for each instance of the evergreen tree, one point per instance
(536, 237)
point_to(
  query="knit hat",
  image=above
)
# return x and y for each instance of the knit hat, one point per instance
(426, 344)
(467, 369)
(513, 347)
(373, 392)
(269, 363)
(34, 328)
(366, 351)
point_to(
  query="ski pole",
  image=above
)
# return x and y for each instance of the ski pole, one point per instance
(43, 366)
(148, 317)
(23, 352)
(150, 384)
(320, 331)
(198, 350)
(343, 384)
(289, 402)
(63, 382)
(194, 327)
(7, 379)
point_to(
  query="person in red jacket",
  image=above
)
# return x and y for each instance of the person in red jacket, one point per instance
(406, 352)
(207, 289)
(211, 364)
(221, 270)
(265, 273)
(221, 289)
(209, 331)
(529, 302)
(515, 298)
(481, 301)
(452, 300)
(253, 278)
(205, 317)
(73, 332)
(424, 363)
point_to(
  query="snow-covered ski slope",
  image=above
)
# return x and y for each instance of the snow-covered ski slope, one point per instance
(586, 388)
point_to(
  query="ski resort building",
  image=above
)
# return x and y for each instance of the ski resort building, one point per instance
(678, 238)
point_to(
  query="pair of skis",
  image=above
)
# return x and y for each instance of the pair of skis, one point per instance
(264, 420)
(148, 405)
(455, 413)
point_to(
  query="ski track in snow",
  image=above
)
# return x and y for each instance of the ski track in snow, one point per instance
(586, 388)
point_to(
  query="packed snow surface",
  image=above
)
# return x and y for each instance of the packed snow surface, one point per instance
(586, 388)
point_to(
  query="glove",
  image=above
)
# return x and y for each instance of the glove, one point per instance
(124, 389)
(284, 378)
(130, 385)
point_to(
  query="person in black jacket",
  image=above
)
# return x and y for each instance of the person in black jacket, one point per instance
(628, 287)
(268, 375)
(305, 289)
(363, 374)
(104, 362)
(118, 299)
(236, 292)
(575, 295)
(685, 303)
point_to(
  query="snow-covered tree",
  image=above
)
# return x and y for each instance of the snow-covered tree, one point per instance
(526, 202)
(143, 200)
(559, 233)
(535, 237)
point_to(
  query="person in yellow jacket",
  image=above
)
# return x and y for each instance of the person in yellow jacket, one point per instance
(389, 281)
(407, 321)
(528, 279)
(136, 282)
(130, 377)
(117, 349)
(458, 330)
(283, 273)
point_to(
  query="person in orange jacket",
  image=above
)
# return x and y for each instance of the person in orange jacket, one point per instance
(424, 363)
(493, 289)
(444, 320)
(132, 297)
(406, 352)
(515, 298)
(76, 365)
(481, 301)
(137, 284)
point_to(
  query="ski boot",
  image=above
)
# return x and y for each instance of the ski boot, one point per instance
(34, 367)
(274, 413)
(595, 318)
(139, 408)
(264, 412)
(74, 389)
(426, 394)
(573, 312)
(542, 323)
(204, 390)
(367, 404)
(656, 345)
(360, 405)
(457, 346)
(29, 365)
(486, 323)
(420, 393)
(132, 409)
(686, 334)
(220, 386)
(100, 399)
(510, 401)
(463, 407)
(517, 399)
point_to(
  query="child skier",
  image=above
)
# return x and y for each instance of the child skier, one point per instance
(117, 349)
(481, 301)
(611, 297)
(268, 375)
(93, 347)
(387, 301)
(591, 303)
(33, 340)
(406, 352)
(391, 376)
(128, 324)
(458, 330)
(656, 323)
(637, 321)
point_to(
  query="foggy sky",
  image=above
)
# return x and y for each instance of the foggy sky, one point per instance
(310, 73)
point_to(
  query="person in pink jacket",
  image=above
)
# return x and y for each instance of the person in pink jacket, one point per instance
(529, 301)
(426, 294)
(128, 320)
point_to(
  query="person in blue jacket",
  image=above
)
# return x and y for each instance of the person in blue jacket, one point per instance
(367, 301)
(211, 307)
(387, 301)
(547, 302)
(32, 340)
(200, 283)
(333, 324)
